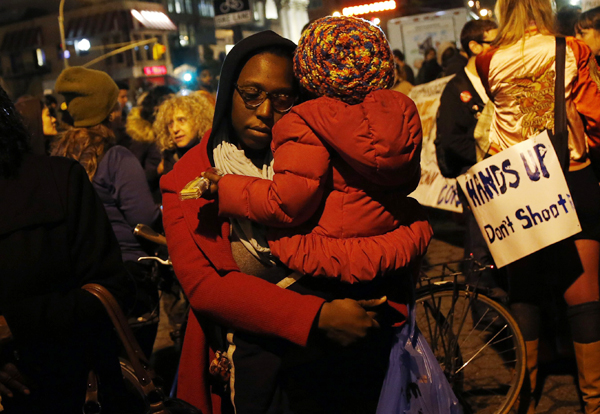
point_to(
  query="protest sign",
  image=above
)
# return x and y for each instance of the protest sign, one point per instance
(434, 190)
(521, 200)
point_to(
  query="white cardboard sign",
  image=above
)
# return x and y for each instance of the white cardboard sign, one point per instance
(434, 190)
(521, 200)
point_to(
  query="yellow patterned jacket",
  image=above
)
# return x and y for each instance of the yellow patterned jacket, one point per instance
(520, 80)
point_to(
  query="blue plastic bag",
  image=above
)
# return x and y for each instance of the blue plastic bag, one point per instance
(415, 382)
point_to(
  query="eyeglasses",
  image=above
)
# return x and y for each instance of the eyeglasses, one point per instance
(485, 42)
(254, 97)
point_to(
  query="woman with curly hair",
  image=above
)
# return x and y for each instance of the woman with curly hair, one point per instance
(180, 124)
(114, 172)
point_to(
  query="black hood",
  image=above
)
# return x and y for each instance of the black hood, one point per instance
(230, 71)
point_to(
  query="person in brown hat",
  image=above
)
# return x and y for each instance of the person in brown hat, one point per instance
(115, 173)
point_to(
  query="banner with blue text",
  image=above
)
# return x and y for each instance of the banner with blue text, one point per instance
(521, 200)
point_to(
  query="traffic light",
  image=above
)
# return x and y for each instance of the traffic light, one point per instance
(158, 51)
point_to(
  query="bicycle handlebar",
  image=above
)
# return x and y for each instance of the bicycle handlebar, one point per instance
(147, 233)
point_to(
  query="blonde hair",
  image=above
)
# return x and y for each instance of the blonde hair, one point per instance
(199, 110)
(86, 145)
(515, 17)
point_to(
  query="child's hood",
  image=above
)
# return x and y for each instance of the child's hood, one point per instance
(380, 137)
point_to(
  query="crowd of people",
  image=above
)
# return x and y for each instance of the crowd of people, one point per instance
(299, 259)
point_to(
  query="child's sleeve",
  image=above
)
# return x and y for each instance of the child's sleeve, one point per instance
(301, 167)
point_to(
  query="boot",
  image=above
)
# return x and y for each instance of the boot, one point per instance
(525, 404)
(588, 366)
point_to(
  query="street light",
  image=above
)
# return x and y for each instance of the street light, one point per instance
(83, 45)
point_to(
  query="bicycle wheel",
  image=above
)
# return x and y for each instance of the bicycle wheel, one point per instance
(478, 345)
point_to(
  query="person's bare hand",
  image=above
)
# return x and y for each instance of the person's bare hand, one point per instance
(212, 176)
(12, 380)
(371, 304)
(346, 321)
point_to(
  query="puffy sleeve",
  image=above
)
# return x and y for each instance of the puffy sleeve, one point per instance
(301, 167)
(222, 293)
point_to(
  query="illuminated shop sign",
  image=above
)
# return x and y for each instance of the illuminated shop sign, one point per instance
(155, 70)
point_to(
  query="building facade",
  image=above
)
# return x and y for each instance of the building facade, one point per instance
(31, 55)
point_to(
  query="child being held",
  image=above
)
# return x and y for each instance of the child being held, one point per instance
(344, 163)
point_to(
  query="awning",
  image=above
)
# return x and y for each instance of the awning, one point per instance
(23, 39)
(96, 24)
(121, 20)
(155, 20)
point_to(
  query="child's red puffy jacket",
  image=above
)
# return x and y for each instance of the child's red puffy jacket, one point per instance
(339, 194)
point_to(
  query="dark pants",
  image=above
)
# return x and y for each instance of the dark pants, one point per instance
(273, 378)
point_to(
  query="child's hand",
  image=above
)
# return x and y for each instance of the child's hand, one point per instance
(212, 176)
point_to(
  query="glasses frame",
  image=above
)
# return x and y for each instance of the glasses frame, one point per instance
(268, 96)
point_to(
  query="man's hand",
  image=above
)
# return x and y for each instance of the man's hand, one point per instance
(346, 321)
(12, 380)
(371, 304)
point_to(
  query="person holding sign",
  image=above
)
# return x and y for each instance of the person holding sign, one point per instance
(518, 73)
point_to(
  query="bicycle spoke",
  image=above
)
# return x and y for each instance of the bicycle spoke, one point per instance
(480, 350)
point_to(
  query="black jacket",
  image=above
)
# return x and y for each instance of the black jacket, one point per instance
(54, 238)
(460, 106)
